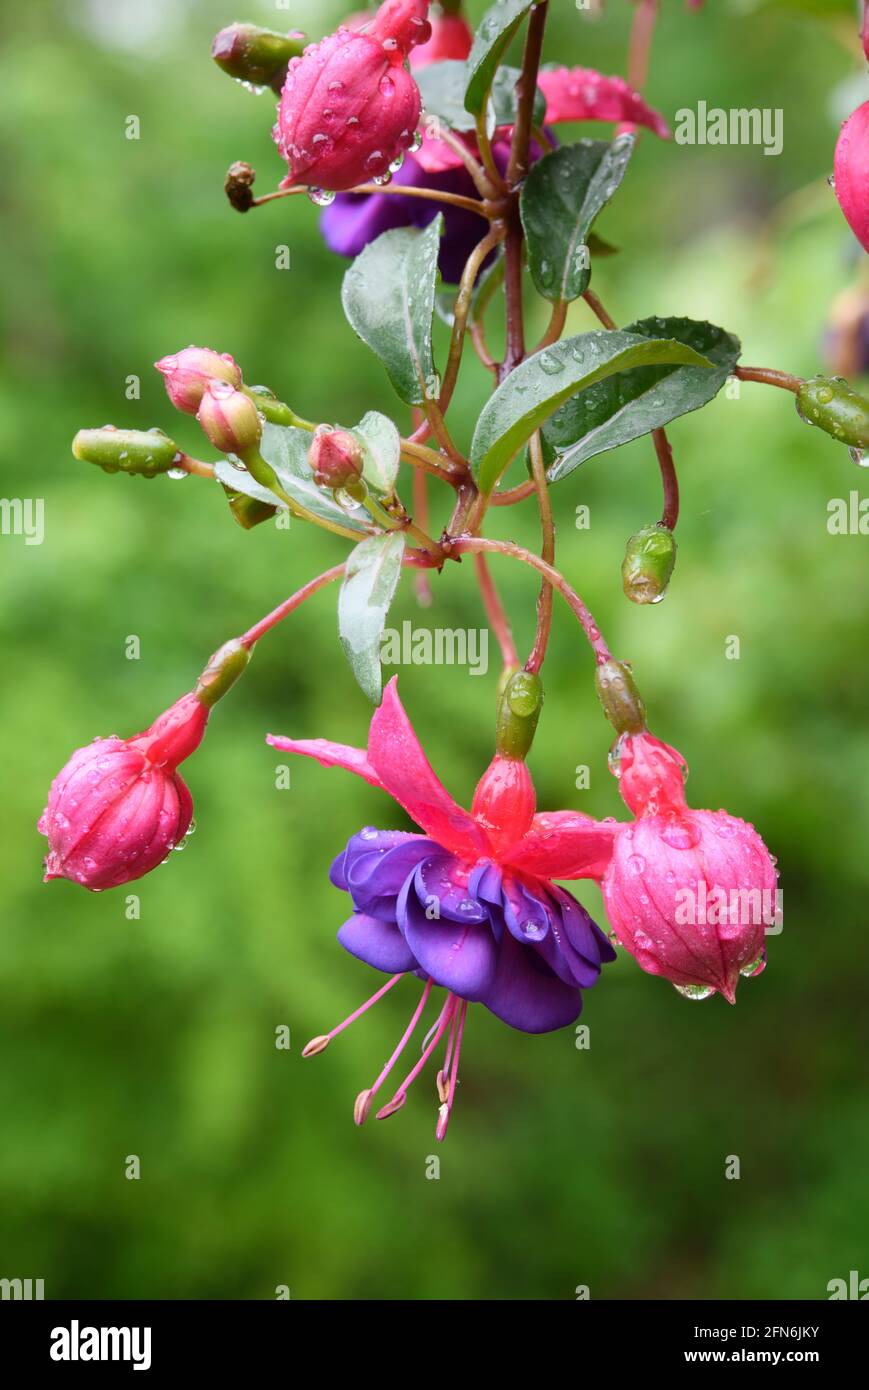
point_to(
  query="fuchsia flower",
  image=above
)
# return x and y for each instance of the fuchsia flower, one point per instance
(188, 373)
(688, 893)
(851, 173)
(119, 806)
(469, 904)
(349, 107)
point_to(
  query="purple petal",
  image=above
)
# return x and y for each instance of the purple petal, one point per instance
(435, 884)
(460, 958)
(377, 943)
(526, 995)
(583, 933)
(526, 914)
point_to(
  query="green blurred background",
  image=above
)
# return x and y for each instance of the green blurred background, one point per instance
(155, 1036)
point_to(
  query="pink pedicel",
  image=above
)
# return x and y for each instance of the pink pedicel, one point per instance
(349, 108)
(187, 374)
(119, 807)
(688, 893)
(851, 173)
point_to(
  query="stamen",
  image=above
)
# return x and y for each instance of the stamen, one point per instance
(446, 1108)
(442, 1079)
(362, 1110)
(322, 1041)
(432, 1039)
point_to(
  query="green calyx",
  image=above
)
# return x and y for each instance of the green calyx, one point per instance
(832, 405)
(252, 54)
(248, 511)
(145, 452)
(650, 556)
(621, 700)
(273, 410)
(223, 670)
(519, 706)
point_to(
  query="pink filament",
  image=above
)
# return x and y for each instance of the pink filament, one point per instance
(445, 1017)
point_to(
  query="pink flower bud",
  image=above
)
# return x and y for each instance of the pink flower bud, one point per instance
(349, 107)
(451, 38)
(229, 418)
(688, 893)
(505, 801)
(335, 457)
(851, 173)
(187, 374)
(118, 807)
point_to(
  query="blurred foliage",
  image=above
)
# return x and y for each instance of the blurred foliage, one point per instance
(155, 1036)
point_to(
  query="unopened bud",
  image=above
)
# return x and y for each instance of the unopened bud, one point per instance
(238, 185)
(187, 374)
(229, 418)
(518, 713)
(648, 564)
(335, 457)
(621, 700)
(248, 511)
(255, 55)
(146, 452)
(832, 405)
(223, 670)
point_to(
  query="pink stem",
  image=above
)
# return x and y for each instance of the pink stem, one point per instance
(446, 1109)
(318, 1044)
(445, 1017)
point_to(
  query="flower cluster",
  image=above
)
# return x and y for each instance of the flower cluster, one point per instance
(472, 903)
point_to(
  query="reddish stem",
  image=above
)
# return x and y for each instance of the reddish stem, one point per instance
(770, 377)
(498, 620)
(547, 525)
(670, 514)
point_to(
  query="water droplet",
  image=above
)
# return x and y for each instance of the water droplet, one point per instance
(680, 835)
(754, 967)
(176, 474)
(859, 457)
(396, 164)
(322, 197)
(694, 991)
(551, 363)
(636, 864)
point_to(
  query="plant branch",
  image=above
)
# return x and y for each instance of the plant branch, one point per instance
(473, 266)
(527, 91)
(670, 514)
(770, 377)
(476, 205)
(472, 545)
(547, 525)
(495, 612)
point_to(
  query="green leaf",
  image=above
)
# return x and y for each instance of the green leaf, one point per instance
(285, 449)
(388, 297)
(496, 29)
(381, 448)
(443, 86)
(561, 197)
(635, 402)
(370, 580)
(543, 382)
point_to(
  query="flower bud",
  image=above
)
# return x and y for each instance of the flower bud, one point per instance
(851, 173)
(349, 108)
(335, 457)
(834, 407)
(119, 806)
(145, 452)
(650, 556)
(688, 893)
(518, 712)
(230, 420)
(621, 700)
(248, 511)
(188, 373)
(255, 55)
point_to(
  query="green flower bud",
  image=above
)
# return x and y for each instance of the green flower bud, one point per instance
(518, 712)
(223, 670)
(146, 452)
(831, 404)
(621, 700)
(248, 511)
(648, 564)
(254, 55)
